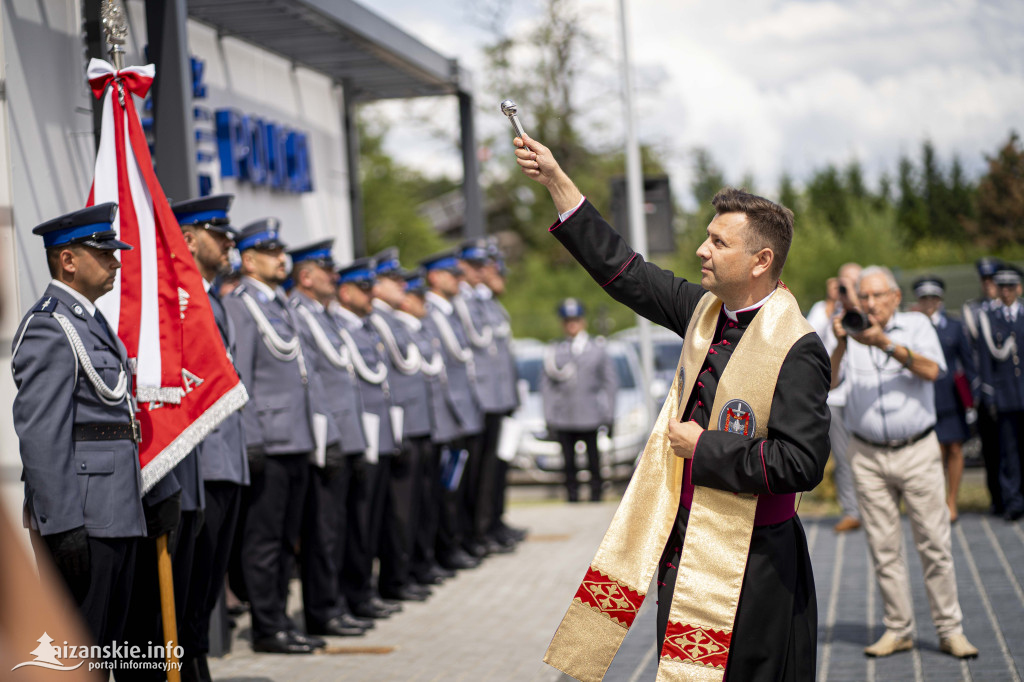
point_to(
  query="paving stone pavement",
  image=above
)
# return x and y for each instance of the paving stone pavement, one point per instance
(494, 622)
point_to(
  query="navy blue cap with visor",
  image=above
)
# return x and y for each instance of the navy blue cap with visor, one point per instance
(445, 260)
(387, 263)
(987, 267)
(570, 308)
(91, 226)
(359, 271)
(319, 252)
(475, 251)
(416, 282)
(1007, 275)
(209, 212)
(262, 234)
(929, 286)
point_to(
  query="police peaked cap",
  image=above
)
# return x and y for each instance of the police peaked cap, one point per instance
(359, 270)
(210, 212)
(319, 252)
(475, 251)
(262, 234)
(1008, 275)
(570, 308)
(91, 226)
(445, 260)
(987, 267)
(929, 286)
(415, 282)
(387, 263)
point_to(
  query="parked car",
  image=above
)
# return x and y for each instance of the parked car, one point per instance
(539, 458)
(667, 345)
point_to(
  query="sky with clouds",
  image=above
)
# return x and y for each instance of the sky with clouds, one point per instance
(765, 85)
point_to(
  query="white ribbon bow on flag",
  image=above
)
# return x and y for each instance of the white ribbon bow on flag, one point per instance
(158, 305)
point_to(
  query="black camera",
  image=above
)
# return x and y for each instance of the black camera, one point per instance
(854, 321)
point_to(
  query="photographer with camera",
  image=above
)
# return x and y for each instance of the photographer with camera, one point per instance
(889, 361)
(821, 314)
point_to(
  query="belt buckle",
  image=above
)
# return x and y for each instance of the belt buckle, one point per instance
(136, 431)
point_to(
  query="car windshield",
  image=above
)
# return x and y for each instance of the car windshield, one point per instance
(666, 355)
(530, 370)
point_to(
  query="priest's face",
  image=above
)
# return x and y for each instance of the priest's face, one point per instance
(726, 264)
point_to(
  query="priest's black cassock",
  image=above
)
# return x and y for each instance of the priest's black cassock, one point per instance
(775, 633)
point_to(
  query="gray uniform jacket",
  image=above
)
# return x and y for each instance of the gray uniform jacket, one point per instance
(407, 381)
(477, 322)
(222, 453)
(277, 417)
(459, 364)
(507, 394)
(376, 397)
(337, 380)
(578, 389)
(69, 483)
(444, 422)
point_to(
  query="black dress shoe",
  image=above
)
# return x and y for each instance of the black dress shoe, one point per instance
(203, 668)
(368, 609)
(189, 670)
(311, 640)
(408, 593)
(355, 621)
(337, 627)
(445, 573)
(495, 547)
(1014, 515)
(280, 642)
(429, 576)
(459, 560)
(475, 548)
(390, 604)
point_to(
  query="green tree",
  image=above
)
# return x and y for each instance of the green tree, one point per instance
(787, 192)
(1000, 213)
(911, 209)
(827, 197)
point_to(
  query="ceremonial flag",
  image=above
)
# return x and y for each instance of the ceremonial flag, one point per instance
(184, 382)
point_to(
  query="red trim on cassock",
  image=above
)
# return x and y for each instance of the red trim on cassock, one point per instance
(571, 214)
(696, 644)
(609, 596)
(620, 271)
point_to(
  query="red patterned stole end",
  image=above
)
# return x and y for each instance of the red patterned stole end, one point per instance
(607, 595)
(696, 644)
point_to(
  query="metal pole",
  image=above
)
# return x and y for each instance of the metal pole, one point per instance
(635, 199)
(473, 225)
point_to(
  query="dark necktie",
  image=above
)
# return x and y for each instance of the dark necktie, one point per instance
(106, 327)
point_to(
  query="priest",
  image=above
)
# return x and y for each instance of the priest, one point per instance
(710, 511)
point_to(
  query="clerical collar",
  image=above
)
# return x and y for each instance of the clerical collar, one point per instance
(442, 303)
(734, 315)
(86, 303)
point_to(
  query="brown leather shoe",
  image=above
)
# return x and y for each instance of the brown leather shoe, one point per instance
(957, 645)
(888, 644)
(847, 523)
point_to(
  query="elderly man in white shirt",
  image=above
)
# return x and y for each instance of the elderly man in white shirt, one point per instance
(889, 367)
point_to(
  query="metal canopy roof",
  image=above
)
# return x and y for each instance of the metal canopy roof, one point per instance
(340, 39)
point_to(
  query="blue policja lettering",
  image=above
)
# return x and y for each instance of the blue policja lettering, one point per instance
(262, 153)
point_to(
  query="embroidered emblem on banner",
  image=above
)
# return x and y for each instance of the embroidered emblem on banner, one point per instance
(696, 644)
(613, 599)
(737, 417)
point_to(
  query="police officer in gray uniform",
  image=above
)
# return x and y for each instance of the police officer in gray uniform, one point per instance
(1000, 332)
(367, 503)
(475, 316)
(278, 428)
(325, 521)
(987, 427)
(76, 425)
(442, 272)
(578, 391)
(444, 428)
(412, 394)
(223, 464)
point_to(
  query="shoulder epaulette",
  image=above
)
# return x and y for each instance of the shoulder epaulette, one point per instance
(46, 304)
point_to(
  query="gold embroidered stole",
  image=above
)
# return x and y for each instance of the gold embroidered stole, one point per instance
(718, 533)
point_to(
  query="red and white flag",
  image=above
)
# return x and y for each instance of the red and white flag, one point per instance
(184, 383)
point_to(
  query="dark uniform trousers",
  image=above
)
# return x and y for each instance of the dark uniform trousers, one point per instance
(324, 528)
(991, 452)
(424, 556)
(471, 500)
(568, 440)
(403, 510)
(449, 527)
(271, 532)
(365, 504)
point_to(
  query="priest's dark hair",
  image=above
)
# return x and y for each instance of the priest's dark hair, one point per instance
(770, 225)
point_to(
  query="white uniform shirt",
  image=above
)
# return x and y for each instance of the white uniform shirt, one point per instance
(884, 401)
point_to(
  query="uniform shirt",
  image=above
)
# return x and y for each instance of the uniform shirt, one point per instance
(461, 391)
(885, 401)
(410, 390)
(1002, 381)
(578, 384)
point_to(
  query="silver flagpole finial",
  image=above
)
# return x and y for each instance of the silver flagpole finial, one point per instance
(115, 27)
(508, 107)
